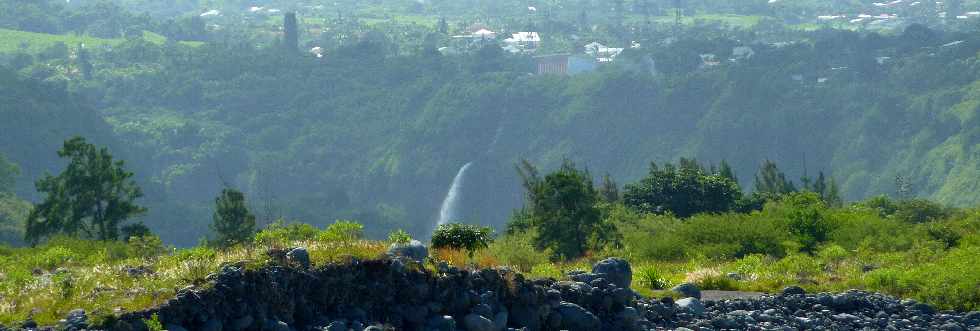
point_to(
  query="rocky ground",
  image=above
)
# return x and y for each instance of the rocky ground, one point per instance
(399, 294)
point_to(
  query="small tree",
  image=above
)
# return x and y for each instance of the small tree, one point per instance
(462, 236)
(233, 222)
(772, 181)
(807, 222)
(343, 231)
(8, 172)
(91, 197)
(561, 206)
(684, 191)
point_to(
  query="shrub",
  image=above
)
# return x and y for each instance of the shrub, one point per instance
(279, 234)
(134, 230)
(399, 237)
(716, 281)
(462, 236)
(921, 211)
(146, 246)
(518, 251)
(806, 220)
(832, 254)
(153, 324)
(343, 231)
(651, 277)
(943, 233)
(733, 235)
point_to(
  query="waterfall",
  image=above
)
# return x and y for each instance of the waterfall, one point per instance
(450, 206)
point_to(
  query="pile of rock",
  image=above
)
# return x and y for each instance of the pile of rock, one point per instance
(399, 294)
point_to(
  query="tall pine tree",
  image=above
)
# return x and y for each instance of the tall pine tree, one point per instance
(233, 223)
(91, 197)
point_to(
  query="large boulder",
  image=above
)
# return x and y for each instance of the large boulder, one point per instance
(794, 290)
(687, 290)
(299, 256)
(692, 305)
(615, 270)
(414, 250)
(576, 318)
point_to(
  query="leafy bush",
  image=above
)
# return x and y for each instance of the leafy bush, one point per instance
(399, 237)
(733, 235)
(651, 277)
(134, 230)
(921, 211)
(153, 324)
(684, 190)
(343, 231)
(462, 236)
(806, 220)
(146, 246)
(716, 281)
(279, 234)
(518, 250)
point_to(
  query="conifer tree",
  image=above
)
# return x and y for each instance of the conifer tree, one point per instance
(772, 181)
(91, 197)
(233, 222)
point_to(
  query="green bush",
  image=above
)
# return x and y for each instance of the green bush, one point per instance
(806, 221)
(280, 234)
(859, 228)
(518, 250)
(651, 277)
(462, 236)
(716, 282)
(733, 235)
(921, 211)
(343, 231)
(399, 237)
(654, 238)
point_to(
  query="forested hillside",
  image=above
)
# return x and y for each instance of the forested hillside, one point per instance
(377, 129)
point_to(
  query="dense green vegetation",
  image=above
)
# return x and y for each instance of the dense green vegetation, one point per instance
(239, 139)
(376, 129)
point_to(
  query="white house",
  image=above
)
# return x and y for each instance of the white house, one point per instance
(525, 41)
(602, 53)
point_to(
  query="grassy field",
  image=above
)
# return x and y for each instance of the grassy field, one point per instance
(14, 40)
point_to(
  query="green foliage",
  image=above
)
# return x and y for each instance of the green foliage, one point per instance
(684, 190)
(153, 324)
(13, 215)
(518, 250)
(772, 181)
(91, 197)
(135, 230)
(716, 282)
(233, 223)
(462, 236)
(806, 220)
(652, 278)
(920, 211)
(146, 246)
(8, 172)
(561, 207)
(279, 234)
(399, 237)
(343, 232)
